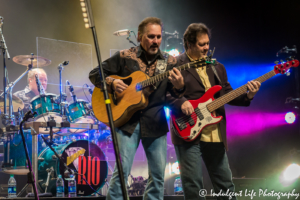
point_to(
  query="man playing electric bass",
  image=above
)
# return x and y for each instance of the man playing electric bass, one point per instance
(150, 124)
(212, 142)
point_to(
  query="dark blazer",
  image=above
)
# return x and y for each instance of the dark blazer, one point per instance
(195, 89)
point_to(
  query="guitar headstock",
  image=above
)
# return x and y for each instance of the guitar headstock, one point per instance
(203, 62)
(283, 67)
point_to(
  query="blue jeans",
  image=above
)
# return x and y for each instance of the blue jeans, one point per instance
(155, 149)
(216, 161)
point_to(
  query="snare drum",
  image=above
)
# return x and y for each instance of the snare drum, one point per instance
(80, 112)
(46, 108)
(82, 155)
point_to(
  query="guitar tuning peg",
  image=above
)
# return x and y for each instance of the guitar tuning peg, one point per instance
(281, 60)
(276, 62)
(287, 59)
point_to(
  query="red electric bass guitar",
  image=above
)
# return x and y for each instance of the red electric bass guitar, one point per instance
(189, 127)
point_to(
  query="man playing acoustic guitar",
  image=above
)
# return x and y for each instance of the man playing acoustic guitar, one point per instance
(212, 142)
(148, 125)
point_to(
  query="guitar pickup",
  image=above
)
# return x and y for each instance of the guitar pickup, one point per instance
(181, 125)
(191, 121)
(199, 114)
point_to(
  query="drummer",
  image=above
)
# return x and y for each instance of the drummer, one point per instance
(31, 89)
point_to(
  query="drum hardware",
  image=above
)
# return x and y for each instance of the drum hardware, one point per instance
(35, 126)
(51, 123)
(62, 98)
(50, 172)
(14, 102)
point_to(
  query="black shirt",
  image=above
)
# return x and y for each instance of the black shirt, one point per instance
(152, 119)
(25, 95)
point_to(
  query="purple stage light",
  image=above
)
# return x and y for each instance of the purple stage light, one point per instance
(239, 123)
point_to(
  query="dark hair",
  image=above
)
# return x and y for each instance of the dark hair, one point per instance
(148, 20)
(192, 31)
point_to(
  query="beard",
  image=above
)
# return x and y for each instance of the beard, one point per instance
(152, 51)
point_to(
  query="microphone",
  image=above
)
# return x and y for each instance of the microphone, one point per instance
(39, 85)
(287, 50)
(90, 89)
(122, 32)
(64, 63)
(72, 91)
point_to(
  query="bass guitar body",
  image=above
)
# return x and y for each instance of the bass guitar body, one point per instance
(123, 105)
(189, 127)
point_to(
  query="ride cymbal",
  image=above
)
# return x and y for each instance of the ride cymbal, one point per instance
(37, 61)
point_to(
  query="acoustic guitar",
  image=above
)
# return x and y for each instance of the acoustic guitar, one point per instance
(135, 97)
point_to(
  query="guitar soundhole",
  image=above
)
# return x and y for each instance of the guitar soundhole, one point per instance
(127, 81)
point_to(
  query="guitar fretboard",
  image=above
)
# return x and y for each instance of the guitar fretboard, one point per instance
(235, 93)
(162, 76)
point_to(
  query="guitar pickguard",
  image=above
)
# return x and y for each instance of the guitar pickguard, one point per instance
(207, 120)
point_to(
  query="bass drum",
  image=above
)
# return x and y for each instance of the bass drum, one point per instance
(84, 156)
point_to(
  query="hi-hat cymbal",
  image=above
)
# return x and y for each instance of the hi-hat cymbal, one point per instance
(16, 102)
(37, 61)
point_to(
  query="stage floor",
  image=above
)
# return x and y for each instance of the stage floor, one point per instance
(171, 197)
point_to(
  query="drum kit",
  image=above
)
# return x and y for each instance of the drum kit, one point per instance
(82, 149)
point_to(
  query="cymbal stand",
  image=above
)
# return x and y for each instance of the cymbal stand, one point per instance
(4, 53)
(62, 96)
(130, 41)
(10, 89)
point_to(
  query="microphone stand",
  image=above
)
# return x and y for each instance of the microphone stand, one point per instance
(4, 53)
(30, 175)
(107, 101)
(130, 41)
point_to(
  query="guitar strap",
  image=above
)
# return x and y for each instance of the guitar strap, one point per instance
(215, 72)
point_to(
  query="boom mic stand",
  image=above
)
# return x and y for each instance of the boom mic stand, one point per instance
(87, 7)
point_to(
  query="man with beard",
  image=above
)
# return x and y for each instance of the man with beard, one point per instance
(149, 125)
(211, 144)
(31, 90)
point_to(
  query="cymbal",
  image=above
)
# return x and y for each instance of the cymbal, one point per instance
(36, 60)
(16, 102)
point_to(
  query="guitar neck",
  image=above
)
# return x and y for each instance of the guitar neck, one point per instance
(237, 92)
(162, 76)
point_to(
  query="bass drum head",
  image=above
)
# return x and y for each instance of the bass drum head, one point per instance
(45, 118)
(84, 156)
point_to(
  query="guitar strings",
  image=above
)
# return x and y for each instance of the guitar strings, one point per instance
(226, 98)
